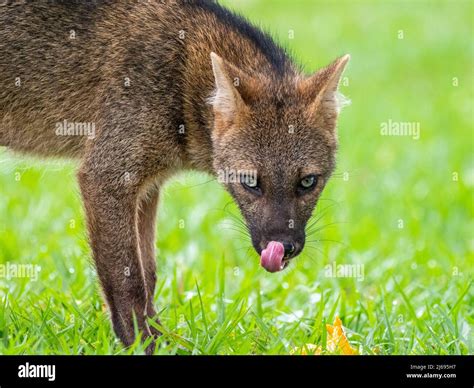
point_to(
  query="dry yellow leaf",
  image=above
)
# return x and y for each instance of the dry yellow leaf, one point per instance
(336, 342)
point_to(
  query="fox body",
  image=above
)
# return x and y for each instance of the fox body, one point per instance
(166, 86)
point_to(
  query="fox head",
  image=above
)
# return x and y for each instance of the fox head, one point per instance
(278, 136)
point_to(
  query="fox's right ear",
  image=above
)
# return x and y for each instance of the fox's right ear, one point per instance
(228, 100)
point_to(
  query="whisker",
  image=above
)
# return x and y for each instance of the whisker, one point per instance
(244, 247)
(315, 221)
(321, 214)
(325, 240)
(311, 231)
(240, 224)
(184, 186)
(241, 232)
(313, 258)
(314, 247)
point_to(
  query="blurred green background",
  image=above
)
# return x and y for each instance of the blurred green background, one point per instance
(401, 207)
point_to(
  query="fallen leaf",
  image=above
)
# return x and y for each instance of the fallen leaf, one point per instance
(336, 342)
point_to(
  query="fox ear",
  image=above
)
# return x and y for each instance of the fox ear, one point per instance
(322, 89)
(228, 99)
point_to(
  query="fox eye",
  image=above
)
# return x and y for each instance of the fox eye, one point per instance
(307, 183)
(251, 184)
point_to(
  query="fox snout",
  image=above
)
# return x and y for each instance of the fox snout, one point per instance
(277, 254)
(277, 249)
(292, 247)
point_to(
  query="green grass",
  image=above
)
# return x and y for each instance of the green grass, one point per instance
(416, 296)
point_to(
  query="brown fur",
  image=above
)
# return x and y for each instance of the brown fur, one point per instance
(143, 73)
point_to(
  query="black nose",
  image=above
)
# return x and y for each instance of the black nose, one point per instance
(289, 248)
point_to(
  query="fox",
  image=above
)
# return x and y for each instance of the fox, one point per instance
(166, 86)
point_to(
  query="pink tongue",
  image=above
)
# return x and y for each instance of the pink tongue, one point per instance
(272, 256)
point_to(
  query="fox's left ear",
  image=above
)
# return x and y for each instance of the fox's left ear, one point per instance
(322, 90)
